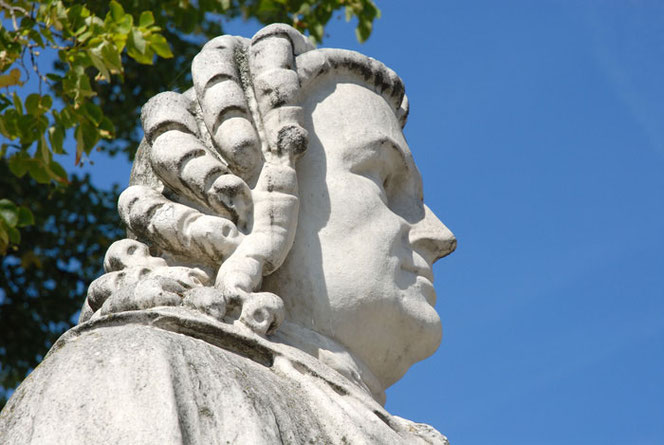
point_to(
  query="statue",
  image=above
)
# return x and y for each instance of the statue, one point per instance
(276, 277)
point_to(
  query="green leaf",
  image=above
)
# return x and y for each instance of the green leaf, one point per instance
(9, 124)
(27, 23)
(9, 212)
(85, 36)
(47, 34)
(90, 136)
(124, 26)
(80, 144)
(146, 19)
(42, 149)
(14, 235)
(106, 128)
(66, 117)
(38, 172)
(54, 77)
(159, 44)
(36, 37)
(363, 31)
(93, 112)
(111, 57)
(117, 11)
(77, 85)
(18, 164)
(138, 41)
(82, 36)
(145, 59)
(59, 16)
(97, 61)
(32, 103)
(86, 138)
(11, 79)
(56, 135)
(305, 8)
(17, 103)
(46, 102)
(28, 128)
(317, 31)
(4, 101)
(59, 173)
(25, 217)
(138, 49)
(41, 123)
(4, 237)
(349, 13)
(75, 17)
(267, 7)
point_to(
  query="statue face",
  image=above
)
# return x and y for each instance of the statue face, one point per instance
(359, 270)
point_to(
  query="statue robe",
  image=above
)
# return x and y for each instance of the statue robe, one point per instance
(173, 376)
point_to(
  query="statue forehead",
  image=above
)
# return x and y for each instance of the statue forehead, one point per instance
(352, 114)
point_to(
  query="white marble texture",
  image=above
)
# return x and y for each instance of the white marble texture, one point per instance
(276, 278)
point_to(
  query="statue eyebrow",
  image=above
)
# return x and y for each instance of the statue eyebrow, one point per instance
(374, 142)
(373, 147)
(405, 156)
(395, 145)
(391, 142)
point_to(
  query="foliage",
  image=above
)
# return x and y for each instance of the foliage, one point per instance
(11, 218)
(98, 79)
(54, 229)
(84, 43)
(43, 280)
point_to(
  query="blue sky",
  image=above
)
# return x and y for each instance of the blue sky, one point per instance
(539, 131)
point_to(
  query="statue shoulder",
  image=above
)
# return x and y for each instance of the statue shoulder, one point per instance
(115, 381)
(169, 375)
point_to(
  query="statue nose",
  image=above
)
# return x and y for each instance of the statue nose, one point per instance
(431, 238)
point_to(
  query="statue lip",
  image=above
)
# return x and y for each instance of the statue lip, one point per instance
(428, 279)
(427, 289)
(423, 277)
(419, 267)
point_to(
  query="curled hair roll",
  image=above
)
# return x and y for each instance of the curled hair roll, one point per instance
(213, 203)
(225, 110)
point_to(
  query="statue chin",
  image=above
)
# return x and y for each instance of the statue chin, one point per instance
(391, 338)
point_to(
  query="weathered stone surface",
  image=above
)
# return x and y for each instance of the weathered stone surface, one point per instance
(168, 376)
(276, 278)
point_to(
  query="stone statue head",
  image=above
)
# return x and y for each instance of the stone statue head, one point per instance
(281, 187)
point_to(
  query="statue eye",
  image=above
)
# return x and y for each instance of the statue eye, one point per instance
(381, 182)
(389, 181)
(381, 163)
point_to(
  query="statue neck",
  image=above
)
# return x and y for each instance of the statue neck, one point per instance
(332, 354)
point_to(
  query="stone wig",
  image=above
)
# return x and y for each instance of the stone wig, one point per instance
(212, 204)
